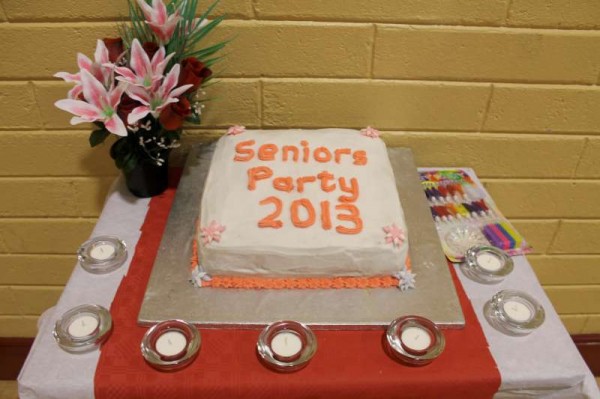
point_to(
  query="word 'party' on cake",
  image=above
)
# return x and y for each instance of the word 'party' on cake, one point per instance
(301, 209)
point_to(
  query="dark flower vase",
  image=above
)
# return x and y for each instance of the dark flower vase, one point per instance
(147, 179)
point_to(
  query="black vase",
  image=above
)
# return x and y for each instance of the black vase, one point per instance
(147, 179)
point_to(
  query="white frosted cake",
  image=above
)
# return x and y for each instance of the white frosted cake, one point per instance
(301, 203)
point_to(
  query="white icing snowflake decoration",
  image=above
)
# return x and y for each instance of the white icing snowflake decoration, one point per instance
(406, 280)
(198, 276)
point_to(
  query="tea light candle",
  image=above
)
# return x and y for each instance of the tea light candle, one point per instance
(517, 311)
(415, 339)
(83, 326)
(102, 252)
(286, 344)
(489, 261)
(171, 343)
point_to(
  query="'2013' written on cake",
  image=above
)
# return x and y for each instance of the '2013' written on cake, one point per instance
(346, 212)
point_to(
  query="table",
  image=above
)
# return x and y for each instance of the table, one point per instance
(543, 364)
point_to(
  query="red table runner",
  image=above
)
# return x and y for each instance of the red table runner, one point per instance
(347, 363)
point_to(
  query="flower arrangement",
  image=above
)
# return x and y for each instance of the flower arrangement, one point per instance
(143, 85)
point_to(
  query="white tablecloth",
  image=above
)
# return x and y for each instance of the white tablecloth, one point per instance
(545, 364)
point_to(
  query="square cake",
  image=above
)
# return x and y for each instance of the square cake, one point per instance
(301, 204)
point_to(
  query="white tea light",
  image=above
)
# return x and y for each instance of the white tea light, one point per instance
(102, 251)
(486, 264)
(517, 311)
(171, 343)
(286, 344)
(514, 313)
(415, 338)
(83, 326)
(102, 254)
(489, 261)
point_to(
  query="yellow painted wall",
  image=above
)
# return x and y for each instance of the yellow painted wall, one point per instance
(508, 87)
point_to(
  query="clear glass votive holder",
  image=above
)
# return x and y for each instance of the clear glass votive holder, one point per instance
(286, 346)
(486, 264)
(171, 345)
(83, 328)
(414, 340)
(102, 254)
(514, 313)
(460, 238)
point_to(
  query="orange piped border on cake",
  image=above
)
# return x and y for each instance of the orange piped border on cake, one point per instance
(279, 283)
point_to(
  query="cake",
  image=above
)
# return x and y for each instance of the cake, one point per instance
(299, 207)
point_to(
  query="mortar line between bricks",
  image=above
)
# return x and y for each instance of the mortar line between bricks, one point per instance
(563, 255)
(34, 91)
(586, 321)
(42, 254)
(48, 219)
(507, 13)
(579, 159)
(3, 12)
(372, 60)
(525, 83)
(486, 111)
(21, 286)
(217, 129)
(553, 240)
(253, 7)
(261, 101)
(332, 22)
(570, 286)
(553, 218)
(534, 179)
(62, 256)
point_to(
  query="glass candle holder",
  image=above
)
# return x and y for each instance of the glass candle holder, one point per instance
(286, 346)
(486, 264)
(83, 328)
(458, 240)
(514, 313)
(102, 254)
(171, 345)
(414, 340)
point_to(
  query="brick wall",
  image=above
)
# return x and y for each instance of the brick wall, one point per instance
(508, 87)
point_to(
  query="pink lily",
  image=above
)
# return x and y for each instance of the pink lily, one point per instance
(153, 102)
(144, 72)
(162, 24)
(99, 105)
(98, 68)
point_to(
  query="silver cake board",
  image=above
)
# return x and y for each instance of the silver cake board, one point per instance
(170, 295)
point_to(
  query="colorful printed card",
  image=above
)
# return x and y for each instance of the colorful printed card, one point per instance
(465, 215)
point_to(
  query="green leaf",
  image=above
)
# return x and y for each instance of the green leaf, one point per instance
(208, 51)
(212, 61)
(208, 11)
(98, 136)
(205, 30)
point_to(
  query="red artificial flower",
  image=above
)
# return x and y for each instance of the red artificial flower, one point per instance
(126, 105)
(150, 48)
(193, 72)
(172, 117)
(115, 48)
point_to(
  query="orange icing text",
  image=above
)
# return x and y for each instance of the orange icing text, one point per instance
(341, 211)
